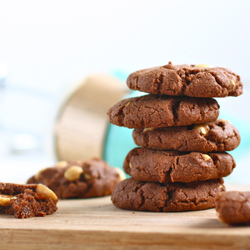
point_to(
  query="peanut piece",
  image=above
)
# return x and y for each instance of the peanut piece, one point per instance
(127, 104)
(45, 192)
(206, 157)
(147, 129)
(73, 173)
(5, 199)
(203, 65)
(203, 128)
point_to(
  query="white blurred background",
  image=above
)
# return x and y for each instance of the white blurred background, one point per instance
(45, 46)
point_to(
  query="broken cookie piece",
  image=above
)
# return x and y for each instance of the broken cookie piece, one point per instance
(80, 179)
(24, 201)
(233, 207)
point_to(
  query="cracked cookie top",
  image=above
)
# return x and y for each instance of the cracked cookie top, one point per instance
(176, 197)
(172, 166)
(219, 136)
(187, 80)
(163, 111)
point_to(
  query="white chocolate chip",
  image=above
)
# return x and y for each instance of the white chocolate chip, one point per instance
(147, 129)
(62, 164)
(121, 174)
(203, 128)
(130, 165)
(203, 65)
(73, 173)
(45, 192)
(5, 199)
(206, 157)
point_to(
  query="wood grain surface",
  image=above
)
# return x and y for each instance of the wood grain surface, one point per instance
(97, 224)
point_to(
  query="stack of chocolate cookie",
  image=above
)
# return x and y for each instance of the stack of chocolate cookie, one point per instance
(182, 157)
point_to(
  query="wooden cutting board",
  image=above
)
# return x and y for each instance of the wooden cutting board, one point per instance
(97, 224)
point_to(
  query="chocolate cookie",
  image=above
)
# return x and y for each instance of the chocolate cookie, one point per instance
(163, 111)
(172, 166)
(187, 80)
(80, 179)
(151, 196)
(233, 207)
(24, 201)
(218, 136)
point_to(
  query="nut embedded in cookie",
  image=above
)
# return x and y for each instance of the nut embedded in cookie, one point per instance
(203, 65)
(5, 199)
(73, 173)
(44, 192)
(204, 128)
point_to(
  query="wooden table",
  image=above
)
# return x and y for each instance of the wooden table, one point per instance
(97, 224)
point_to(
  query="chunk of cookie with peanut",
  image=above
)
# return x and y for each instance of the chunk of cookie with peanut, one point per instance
(24, 201)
